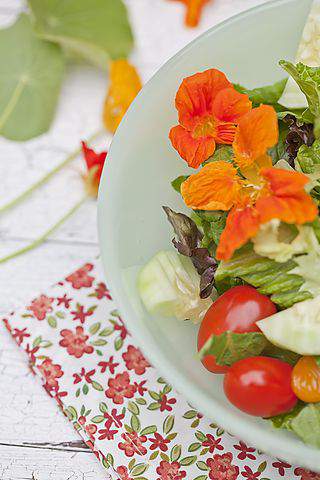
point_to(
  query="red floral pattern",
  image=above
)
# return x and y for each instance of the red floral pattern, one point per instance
(50, 373)
(132, 420)
(135, 360)
(221, 468)
(75, 343)
(41, 306)
(133, 444)
(170, 471)
(120, 388)
(80, 278)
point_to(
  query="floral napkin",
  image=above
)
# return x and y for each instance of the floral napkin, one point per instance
(137, 425)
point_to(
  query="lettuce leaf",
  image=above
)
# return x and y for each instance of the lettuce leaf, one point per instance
(230, 347)
(284, 420)
(308, 80)
(269, 94)
(308, 158)
(306, 424)
(268, 276)
(177, 182)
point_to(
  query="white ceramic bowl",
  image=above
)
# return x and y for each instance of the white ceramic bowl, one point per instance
(136, 182)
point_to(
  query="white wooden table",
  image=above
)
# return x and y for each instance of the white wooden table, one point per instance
(36, 441)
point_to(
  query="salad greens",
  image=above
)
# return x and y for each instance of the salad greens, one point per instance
(252, 239)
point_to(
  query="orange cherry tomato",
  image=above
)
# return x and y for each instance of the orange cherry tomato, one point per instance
(305, 380)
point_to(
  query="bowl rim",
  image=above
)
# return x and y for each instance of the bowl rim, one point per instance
(294, 451)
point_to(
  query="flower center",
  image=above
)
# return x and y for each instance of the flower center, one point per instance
(207, 128)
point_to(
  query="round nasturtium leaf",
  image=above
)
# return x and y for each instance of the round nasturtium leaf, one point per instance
(94, 29)
(30, 79)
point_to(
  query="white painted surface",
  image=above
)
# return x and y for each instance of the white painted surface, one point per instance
(36, 441)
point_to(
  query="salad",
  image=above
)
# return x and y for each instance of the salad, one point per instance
(246, 259)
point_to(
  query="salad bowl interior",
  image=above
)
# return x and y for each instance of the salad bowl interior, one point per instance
(136, 183)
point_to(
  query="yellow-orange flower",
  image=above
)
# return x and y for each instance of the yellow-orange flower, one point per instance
(209, 109)
(260, 194)
(125, 83)
(193, 11)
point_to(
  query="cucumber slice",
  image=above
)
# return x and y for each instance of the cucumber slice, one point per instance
(309, 54)
(296, 329)
(169, 285)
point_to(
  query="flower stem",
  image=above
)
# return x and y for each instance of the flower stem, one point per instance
(11, 105)
(15, 201)
(45, 235)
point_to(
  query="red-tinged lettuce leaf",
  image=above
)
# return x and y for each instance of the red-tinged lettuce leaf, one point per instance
(299, 134)
(230, 347)
(188, 242)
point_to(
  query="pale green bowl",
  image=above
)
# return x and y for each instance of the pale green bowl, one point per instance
(136, 182)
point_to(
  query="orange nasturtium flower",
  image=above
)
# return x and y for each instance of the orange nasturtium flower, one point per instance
(209, 109)
(125, 83)
(260, 194)
(94, 163)
(193, 11)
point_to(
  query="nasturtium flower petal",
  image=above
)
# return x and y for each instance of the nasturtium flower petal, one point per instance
(297, 209)
(193, 150)
(196, 94)
(256, 132)
(215, 187)
(125, 83)
(230, 105)
(284, 182)
(193, 11)
(242, 224)
(94, 163)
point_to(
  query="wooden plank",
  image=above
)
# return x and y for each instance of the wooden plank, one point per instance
(28, 463)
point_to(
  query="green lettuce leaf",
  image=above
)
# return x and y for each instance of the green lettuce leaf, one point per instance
(281, 354)
(230, 347)
(94, 29)
(30, 81)
(177, 182)
(308, 80)
(268, 276)
(284, 420)
(308, 158)
(269, 94)
(223, 153)
(306, 424)
(213, 224)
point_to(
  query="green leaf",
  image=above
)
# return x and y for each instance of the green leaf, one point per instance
(307, 424)
(230, 347)
(190, 414)
(194, 446)
(139, 469)
(195, 423)
(30, 80)
(202, 466)
(201, 477)
(94, 29)
(308, 80)
(106, 332)
(60, 314)
(177, 182)
(103, 407)
(175, 453)
(154, 455)
(200, 436)
(97, 386)
(132, 463)
(220, 432)
(110, 459)
(168, 424)
(133, 408)
(94, 328)
(78, 392)
(262, 466)
(37, 341)
(85, 389)
(52, 322)
(213, 224)
(188, 460)
(118, 343)
(317, 360)
(99, 342)
(154, 406)
(154, 395)
(284, 420)
(148, 430)
(97, 419)
(72, 412)
(164, 457)
(135, 423)
(141, 401)
(268, 276)
(281, 354)
(223, 153)
(269, 94)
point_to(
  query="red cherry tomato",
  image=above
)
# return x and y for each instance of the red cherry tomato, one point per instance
(237, 310)
(260, 386)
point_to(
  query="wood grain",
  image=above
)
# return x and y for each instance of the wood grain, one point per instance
(36, 441)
